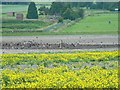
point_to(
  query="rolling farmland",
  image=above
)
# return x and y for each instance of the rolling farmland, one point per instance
(43, 54)
(100, 24)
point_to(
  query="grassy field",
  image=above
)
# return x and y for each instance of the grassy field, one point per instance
(17, 8)
(97, 24)
(14, 8)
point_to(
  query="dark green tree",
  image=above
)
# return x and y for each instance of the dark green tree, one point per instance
(56, 8)
(66, 6)
(70, 14)
(43, 9)
(67, 14)
(60, 20)
(32, 11)
(81, 13)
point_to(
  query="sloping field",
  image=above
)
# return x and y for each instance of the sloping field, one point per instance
(96, 24)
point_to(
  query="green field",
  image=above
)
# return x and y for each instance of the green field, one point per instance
(18, 8)
(97, 24)
(27, 25)
(14, 8)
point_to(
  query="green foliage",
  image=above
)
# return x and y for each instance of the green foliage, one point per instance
(43, 10)
(67, 14)
(56, 8)
(6, 80)
(60, 20)
(66, 11)
(97, 5)
(70, 14)
(32, 11)
(81, 13)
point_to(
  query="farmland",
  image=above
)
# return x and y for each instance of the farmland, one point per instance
(61, 70)
(14, 25)
(55, 51)
(97, 24)
(9, 23)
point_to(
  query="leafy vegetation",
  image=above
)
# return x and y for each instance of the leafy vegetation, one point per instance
(61, 70)
(8, 59)
(60, 77)
(66, 11)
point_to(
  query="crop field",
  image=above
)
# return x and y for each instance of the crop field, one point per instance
(27, 25)
(98, 23)
(95, 69)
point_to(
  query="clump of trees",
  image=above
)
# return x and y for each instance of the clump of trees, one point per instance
(43, 10)
(56, 8)
(62, 9)
(60, 20)
(32, 11)
(70, 14)
(66, 11)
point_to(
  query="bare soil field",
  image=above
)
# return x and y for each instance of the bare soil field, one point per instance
(86, 43)
(83, 39)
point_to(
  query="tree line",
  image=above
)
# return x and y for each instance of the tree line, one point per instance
(92, 5)
(68, 10)
(15, 3)
(65, 10)
(96, 5)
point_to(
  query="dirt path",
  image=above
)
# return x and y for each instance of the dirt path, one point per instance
(83, 39)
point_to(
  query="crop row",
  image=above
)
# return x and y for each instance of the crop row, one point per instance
(60, 77)
(17, 59)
